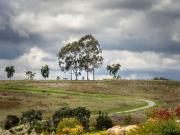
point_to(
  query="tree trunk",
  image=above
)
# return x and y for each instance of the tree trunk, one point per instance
(71, 74)
(87, 75)
(76, 74)
(76, 77)
(93, 74)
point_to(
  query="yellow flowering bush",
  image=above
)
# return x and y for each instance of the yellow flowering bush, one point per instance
(97, 133)
(69, 126)
(78, 130)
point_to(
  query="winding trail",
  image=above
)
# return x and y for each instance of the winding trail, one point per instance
(149, 102)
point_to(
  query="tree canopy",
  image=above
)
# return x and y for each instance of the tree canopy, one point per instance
(113, 69)
(80, 55)
(69, 58)
(91, 50)
(45, 71)
(30, 75)
(10, 71)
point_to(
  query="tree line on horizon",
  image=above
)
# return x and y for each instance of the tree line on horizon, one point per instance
(75, 57)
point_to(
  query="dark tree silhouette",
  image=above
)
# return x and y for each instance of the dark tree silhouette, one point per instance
(113, 69)
(30, 75)
(45, 71)
(10, 71)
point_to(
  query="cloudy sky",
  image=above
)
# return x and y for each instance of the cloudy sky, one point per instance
(142, 35)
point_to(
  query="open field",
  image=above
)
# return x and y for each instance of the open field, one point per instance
(107, 95)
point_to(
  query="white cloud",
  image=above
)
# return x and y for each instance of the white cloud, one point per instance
(44, 23)
(29, 61)
(145, 61)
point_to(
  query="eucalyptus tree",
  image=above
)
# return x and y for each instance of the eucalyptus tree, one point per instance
(113, 69)
(90, 54)
(45, 71)
(69, 58)
(97, 62)
(10, 71)
(30, 75)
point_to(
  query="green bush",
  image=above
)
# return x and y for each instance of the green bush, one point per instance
(40, 126)
(11, 121)
(159, 127)
(80, 113)
(64, 112)
(50, 127)
(127, 119)
(83, 115)
(69, 126)
(68, 122)
(103, 122)
(31, 117)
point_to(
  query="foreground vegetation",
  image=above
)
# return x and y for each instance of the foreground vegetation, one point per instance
(68, 121)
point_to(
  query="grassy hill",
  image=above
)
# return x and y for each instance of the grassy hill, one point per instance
(106, 95)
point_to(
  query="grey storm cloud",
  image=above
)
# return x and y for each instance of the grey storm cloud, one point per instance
(133, 25)
(127, 4)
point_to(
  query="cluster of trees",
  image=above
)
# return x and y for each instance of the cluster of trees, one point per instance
(75, 57)
(84, 54)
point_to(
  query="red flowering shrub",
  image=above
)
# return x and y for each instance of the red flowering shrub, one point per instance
(164, 114)
(177, 111)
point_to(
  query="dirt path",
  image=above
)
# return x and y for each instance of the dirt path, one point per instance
(149, 102)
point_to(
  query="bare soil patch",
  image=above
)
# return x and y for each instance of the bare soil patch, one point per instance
(5, 104)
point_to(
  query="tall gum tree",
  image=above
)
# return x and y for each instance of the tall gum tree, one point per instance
(91, 54)
(69, 58)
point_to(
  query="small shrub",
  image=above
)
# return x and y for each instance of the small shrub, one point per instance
(164, 114)
(80, 113)
(68, 122)
(127, 119)
(177, 111)
(40, 126)
(31, 117)
(64, 112)
(50, 127)
(159, 127)
(118, 119)
(11, 121)
(103, 122)
(69, 126)
(83, 115)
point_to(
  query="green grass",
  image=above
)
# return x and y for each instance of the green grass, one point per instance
(106, 95)
(28, 94)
